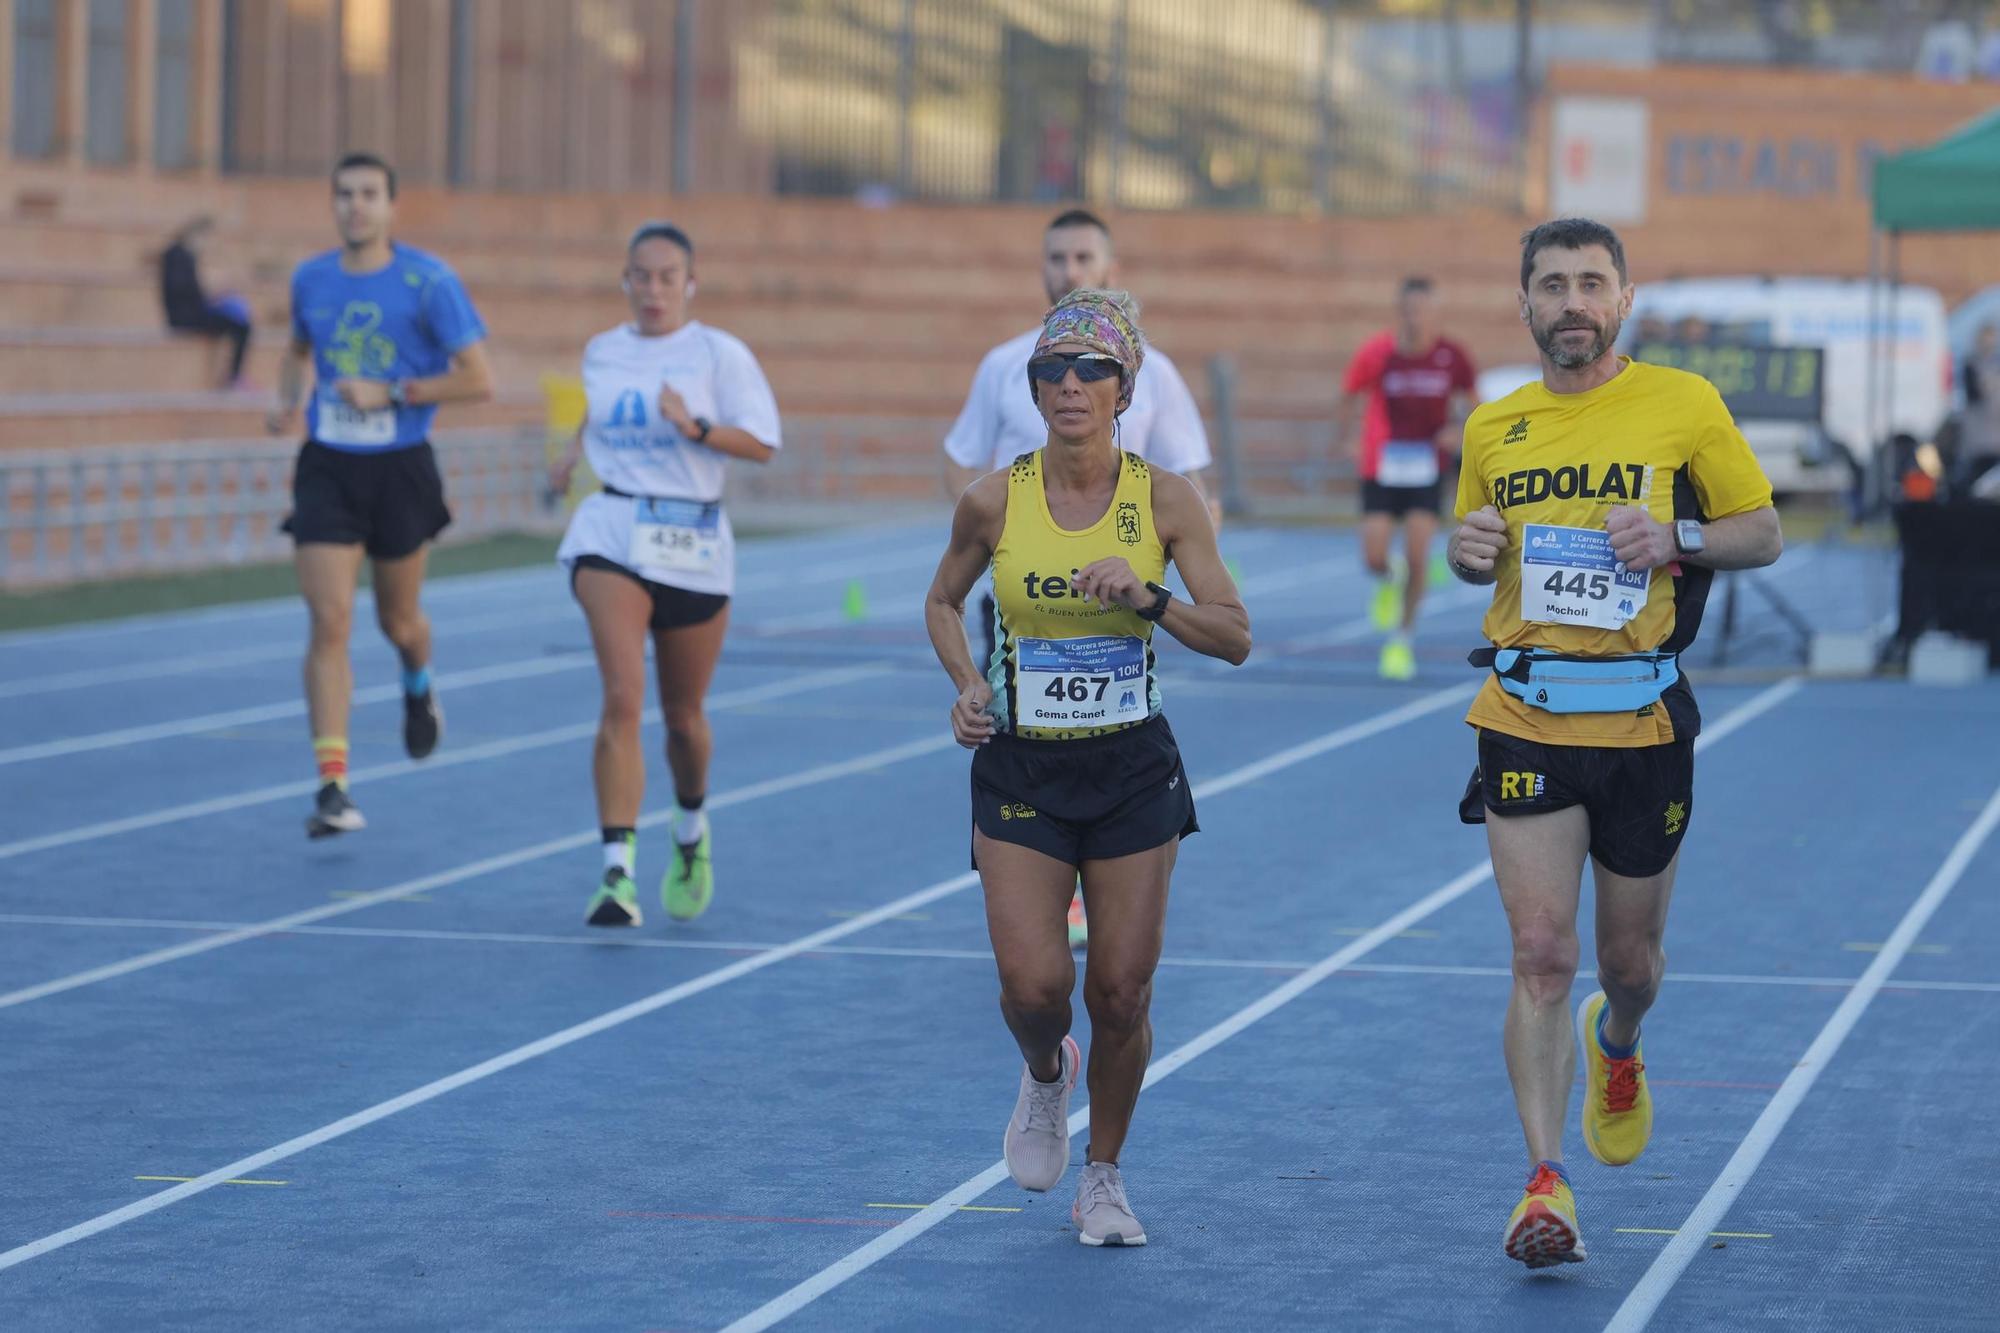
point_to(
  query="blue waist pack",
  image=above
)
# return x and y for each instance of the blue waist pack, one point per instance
(1559, 683)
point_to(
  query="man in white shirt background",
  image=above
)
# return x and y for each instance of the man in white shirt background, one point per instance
(1000, 422)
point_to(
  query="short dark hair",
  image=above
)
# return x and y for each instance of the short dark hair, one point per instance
(1078, 217)
(353, 160)
(1416, 282)
(660, 231)
(1570, 234)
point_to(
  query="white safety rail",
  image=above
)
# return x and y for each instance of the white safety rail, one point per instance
(84, 513)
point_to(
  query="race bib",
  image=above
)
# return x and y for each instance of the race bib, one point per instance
(1407, 463)
(1095, 682)
(342, 423)
(675, 537)
(1569, 576)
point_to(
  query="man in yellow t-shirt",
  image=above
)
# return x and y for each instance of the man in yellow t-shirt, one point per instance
(1598, 502)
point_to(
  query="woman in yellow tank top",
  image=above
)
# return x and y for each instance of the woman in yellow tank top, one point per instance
(1074, 768)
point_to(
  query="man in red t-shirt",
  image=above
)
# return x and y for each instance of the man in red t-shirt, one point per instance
(1410, 389)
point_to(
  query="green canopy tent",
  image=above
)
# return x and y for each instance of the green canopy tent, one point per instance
(1951, 185)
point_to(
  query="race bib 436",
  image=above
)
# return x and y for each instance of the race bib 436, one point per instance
(675, 537)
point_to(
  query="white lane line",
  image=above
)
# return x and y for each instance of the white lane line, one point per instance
(290, 650)
(815, 567)
(673, 995)
(806, 777)
(1658, 1280)
(1361, 627)
(379, 694)
(173, 814)
(859, 1261)
(450, 588)
(909, 608)
(523, 669)
(601, 941)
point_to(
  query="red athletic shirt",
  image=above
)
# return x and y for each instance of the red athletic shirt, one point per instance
(1409, 396)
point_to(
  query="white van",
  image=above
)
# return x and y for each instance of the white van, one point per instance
(1831, 314)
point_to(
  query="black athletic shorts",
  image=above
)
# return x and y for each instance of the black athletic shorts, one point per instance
(391, 502)
(1639, 800)
(1397, 501)
(1084, 800)
(673, 608)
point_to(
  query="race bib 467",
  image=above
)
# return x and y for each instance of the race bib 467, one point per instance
(1093, 682)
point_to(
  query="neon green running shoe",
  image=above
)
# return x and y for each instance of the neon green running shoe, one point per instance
(1386, 610)
(1441, 575)
(1399, 661)
(690, 882)
(616, 902)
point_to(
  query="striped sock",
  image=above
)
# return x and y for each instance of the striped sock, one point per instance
(331, 751)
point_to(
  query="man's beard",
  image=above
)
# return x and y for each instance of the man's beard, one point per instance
(1568, 356)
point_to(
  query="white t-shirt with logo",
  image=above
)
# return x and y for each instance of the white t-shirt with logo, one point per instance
(678, 532)
(1000, 421)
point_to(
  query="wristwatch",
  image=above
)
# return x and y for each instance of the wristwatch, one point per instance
(702, 427)
(399, 394)
(1688, 538)
(1161, 596)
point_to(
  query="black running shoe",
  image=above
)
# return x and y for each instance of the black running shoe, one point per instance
(333, 812)
(423, 723)
(616, 902)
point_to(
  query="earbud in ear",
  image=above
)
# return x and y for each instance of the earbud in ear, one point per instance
(690, 289)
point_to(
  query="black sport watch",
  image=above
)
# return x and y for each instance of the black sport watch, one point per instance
(702, 426)
(1161, 596)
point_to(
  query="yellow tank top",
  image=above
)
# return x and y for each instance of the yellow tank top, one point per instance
(1063, 666)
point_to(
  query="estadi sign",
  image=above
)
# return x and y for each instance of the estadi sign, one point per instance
(1743, 170)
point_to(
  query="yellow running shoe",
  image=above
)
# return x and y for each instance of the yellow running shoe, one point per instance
(1399, 661)
(1387, 607)
(1617, 1109)
(1079, 925)
(1543, 1231)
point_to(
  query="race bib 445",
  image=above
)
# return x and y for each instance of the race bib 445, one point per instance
(1571, 576)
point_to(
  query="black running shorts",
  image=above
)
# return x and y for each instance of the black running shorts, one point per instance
(1639, 800)
(1397, 501)
(1084, 800)
(673, 608)
(390, 502)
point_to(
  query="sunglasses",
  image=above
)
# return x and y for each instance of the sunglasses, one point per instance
(1090, 367)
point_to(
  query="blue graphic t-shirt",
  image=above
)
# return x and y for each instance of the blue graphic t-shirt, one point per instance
(403, 321)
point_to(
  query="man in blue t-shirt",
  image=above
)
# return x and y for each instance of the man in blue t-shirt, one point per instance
(390, 334)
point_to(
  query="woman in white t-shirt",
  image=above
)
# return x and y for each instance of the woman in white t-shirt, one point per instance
(670, 401)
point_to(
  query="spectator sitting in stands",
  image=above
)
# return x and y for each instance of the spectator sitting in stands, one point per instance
(188, 307)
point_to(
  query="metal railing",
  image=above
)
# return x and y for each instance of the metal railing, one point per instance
(1291, 106)
(87, 513)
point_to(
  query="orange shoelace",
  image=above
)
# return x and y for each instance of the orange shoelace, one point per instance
(1544, 1181)
(1621, 1084)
